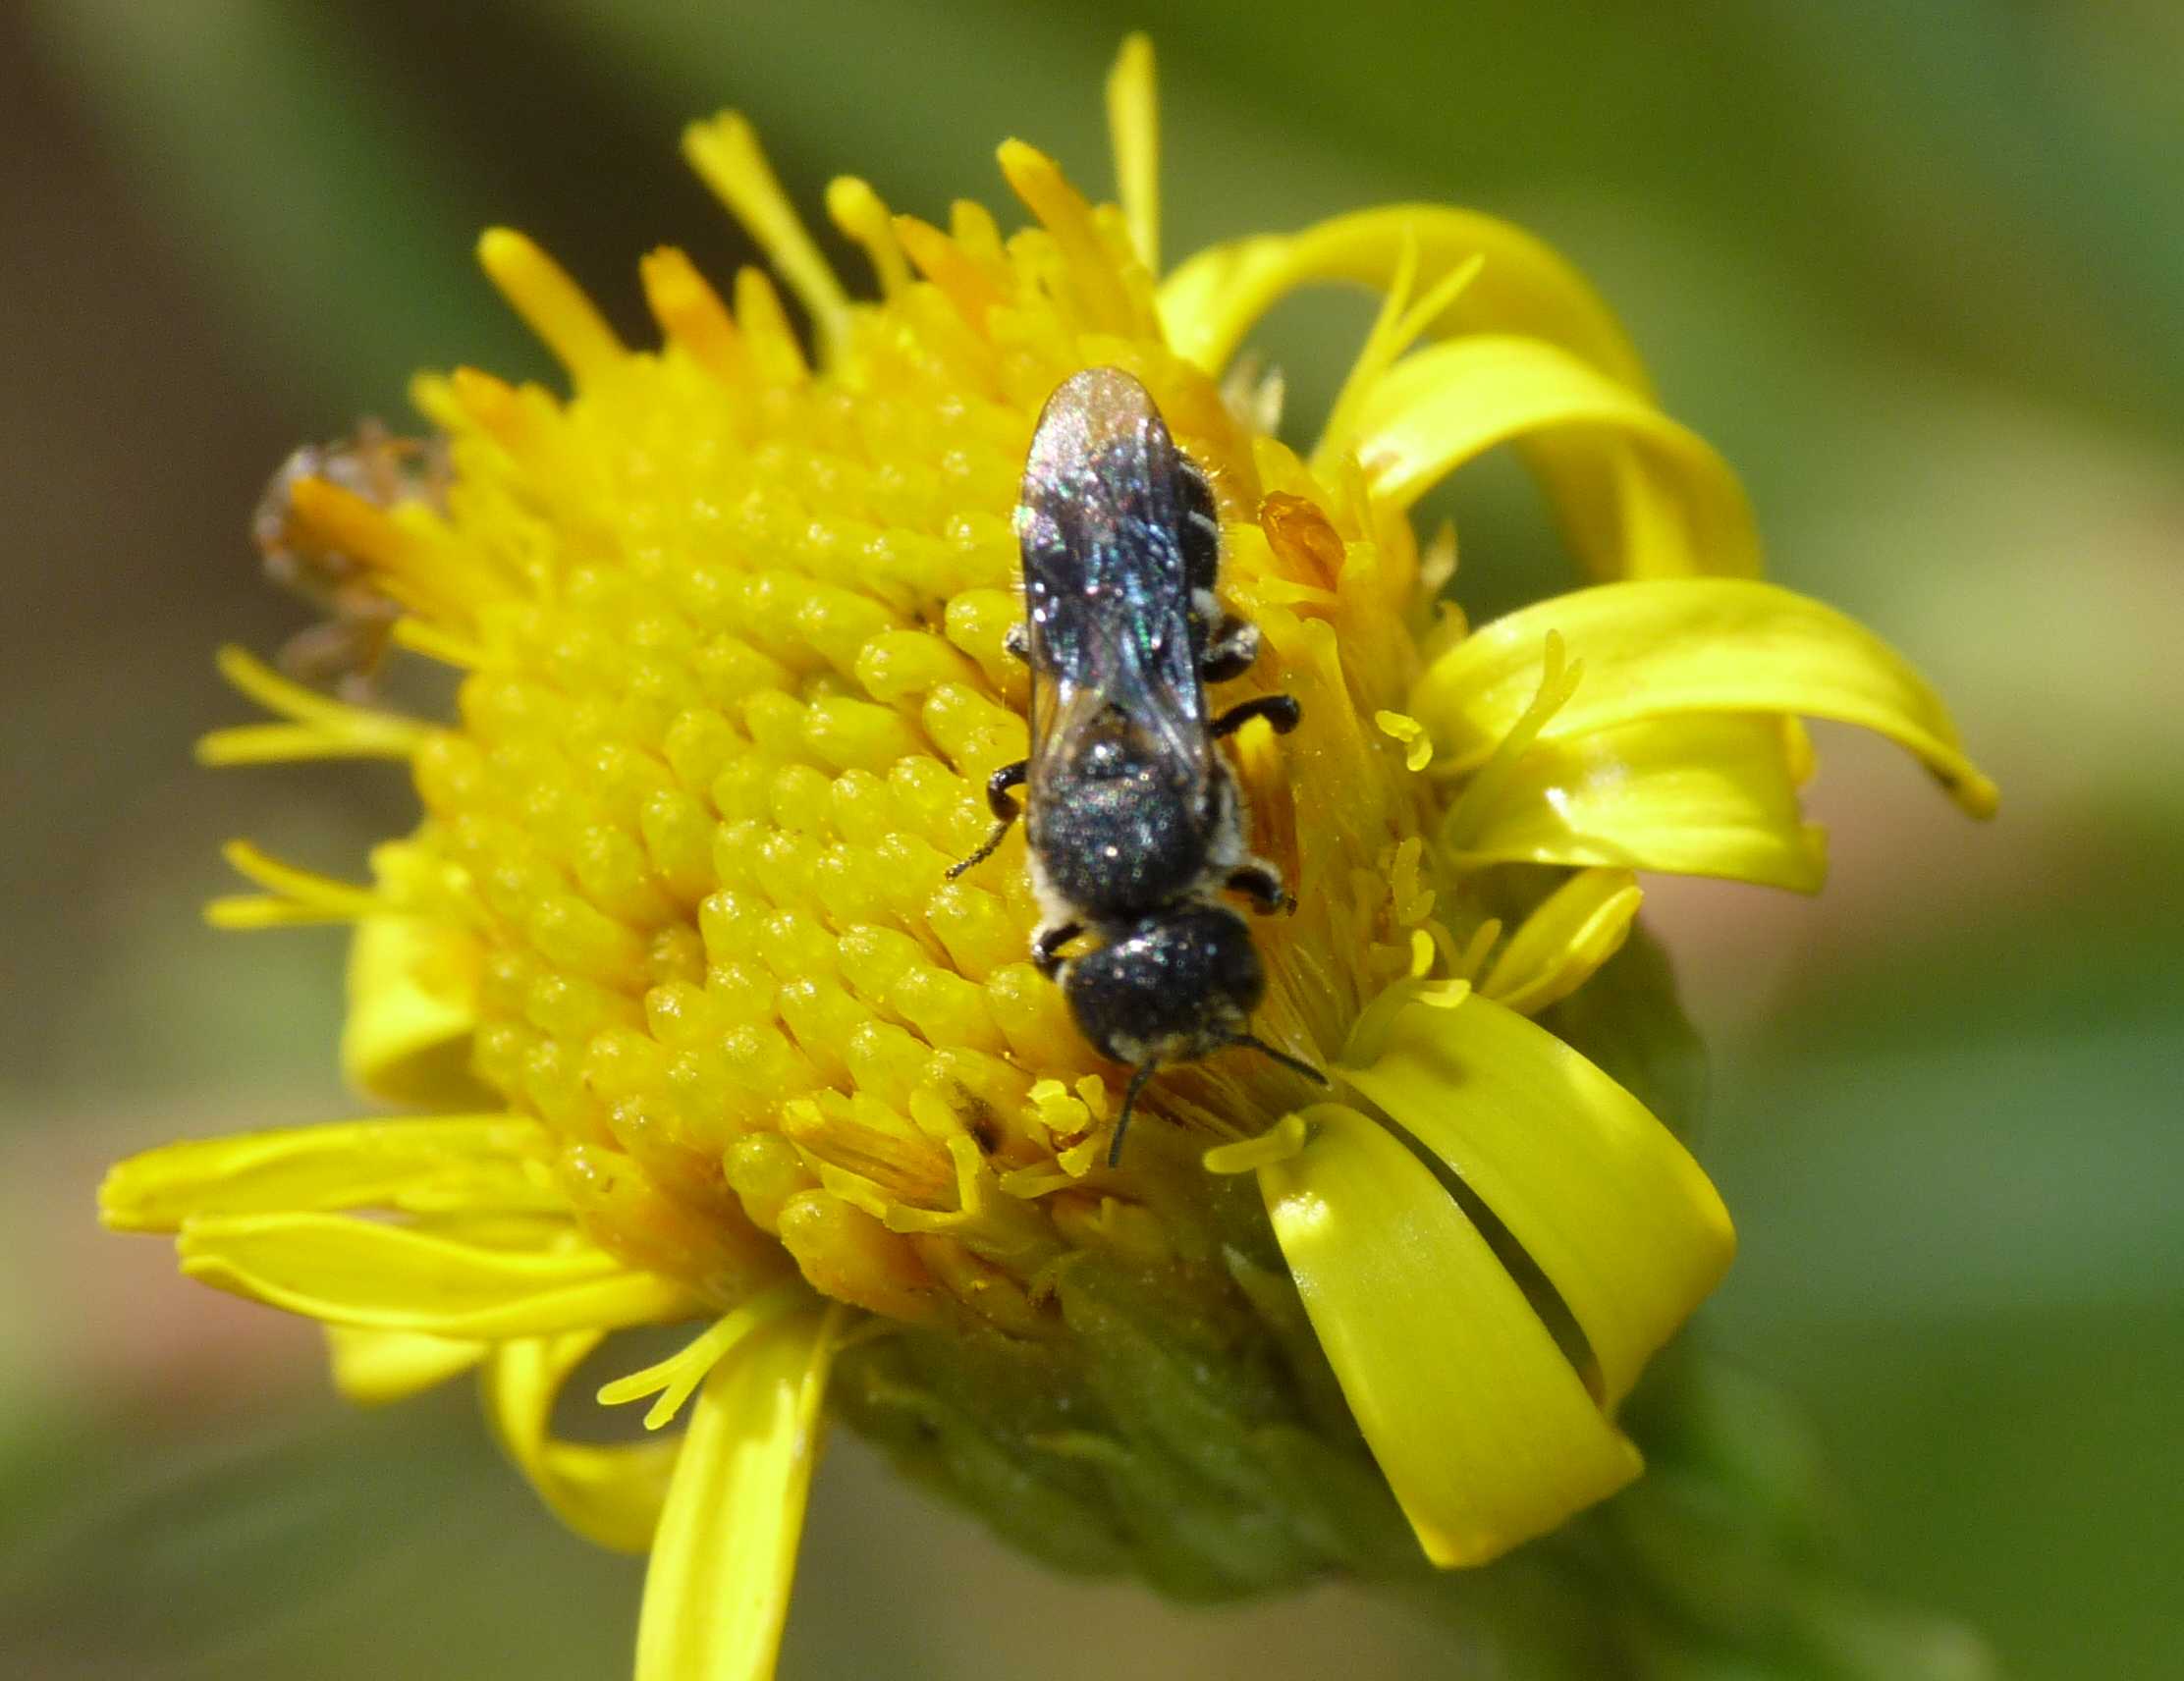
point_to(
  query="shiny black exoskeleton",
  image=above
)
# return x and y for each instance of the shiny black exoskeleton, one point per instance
(1135, 822)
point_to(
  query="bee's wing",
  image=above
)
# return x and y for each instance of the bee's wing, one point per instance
(1106, 582)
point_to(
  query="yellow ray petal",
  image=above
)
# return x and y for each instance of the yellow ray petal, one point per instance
(1579, 926)
(1213, 299)
(1601, 1197)
(373, 1368)
(717, 1593)
(1656, 647)
(609, 1495)
(1677, 508)
(468, 1163)
(357, 1271)
(412, 1008)
(1481, 1426)
(1694, 795)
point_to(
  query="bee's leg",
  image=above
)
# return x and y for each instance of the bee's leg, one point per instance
(1295, 1065)
(1261, 883)
(1016, 642)
(1280, 709)
(1047, 942)
(1005, 811)
(1231, 649)
(1143, 1072)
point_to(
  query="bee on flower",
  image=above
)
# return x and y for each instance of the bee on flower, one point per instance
(698, 1025)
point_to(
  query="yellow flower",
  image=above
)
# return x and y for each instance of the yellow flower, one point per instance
(709, 1037)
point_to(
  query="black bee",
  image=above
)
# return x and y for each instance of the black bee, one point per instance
(1135, 822)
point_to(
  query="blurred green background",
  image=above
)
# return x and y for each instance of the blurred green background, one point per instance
(1918, 270)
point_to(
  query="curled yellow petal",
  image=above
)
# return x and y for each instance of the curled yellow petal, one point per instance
(1481, 1426)
(374, 1368)
(1658, 647)
(1600, 1195)
(1213, 300)
(611, 1494)
(1616, 513)
(717, 1593)
(1677, 506)
(1579, 926)
(412, 1009)
(474, 1163)
(1694, 795)
(357, 1271)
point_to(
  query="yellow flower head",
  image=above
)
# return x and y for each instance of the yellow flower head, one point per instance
(711, 1037)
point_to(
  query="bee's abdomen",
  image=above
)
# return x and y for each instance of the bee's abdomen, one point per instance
(1121, 847)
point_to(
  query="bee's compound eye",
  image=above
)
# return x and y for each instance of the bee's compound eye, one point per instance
(1175, 988)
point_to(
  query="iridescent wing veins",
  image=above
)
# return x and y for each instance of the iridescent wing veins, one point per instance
(1107, 591)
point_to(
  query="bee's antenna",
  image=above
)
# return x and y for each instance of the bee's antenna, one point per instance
(1144, 1072)
(1293, 1064)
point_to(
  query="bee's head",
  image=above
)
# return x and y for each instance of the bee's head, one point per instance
(1175, 987)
